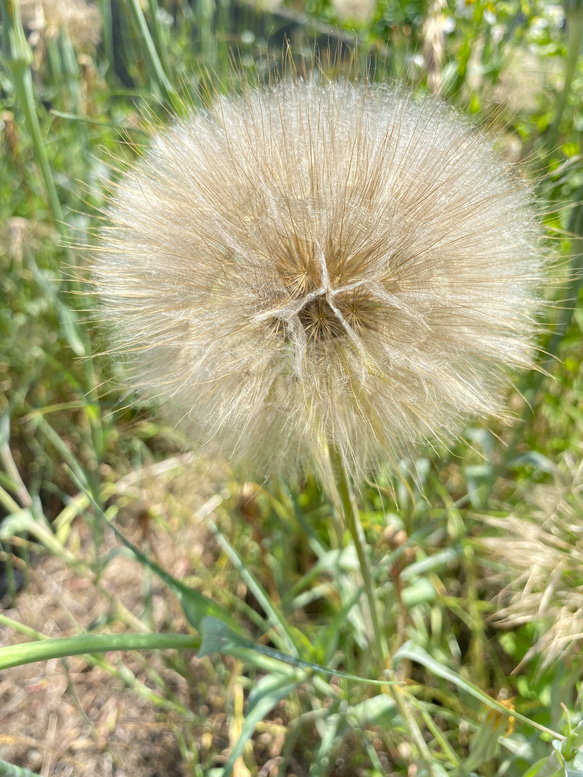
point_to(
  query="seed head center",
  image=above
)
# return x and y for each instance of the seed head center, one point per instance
(319, 319)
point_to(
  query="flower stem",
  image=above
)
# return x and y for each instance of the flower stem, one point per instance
(352, 522)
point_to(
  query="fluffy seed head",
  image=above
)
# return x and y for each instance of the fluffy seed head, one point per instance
(321, 265)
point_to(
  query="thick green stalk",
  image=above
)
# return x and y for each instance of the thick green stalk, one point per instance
(18, 56)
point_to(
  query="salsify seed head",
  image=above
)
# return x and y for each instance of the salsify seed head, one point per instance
(321, 265)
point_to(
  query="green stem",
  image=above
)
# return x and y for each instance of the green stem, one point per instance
(18, 57)
(158, 36)
(8, 503)
(43, 650)
(352, 522)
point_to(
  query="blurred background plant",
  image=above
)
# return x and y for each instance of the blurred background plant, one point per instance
(476, 563)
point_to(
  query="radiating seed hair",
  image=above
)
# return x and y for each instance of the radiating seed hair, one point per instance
(321, 265)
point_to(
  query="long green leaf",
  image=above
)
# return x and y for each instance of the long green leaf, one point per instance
(274, 615)
(157, 73)
(195, 605)
(415, 653)
(218, 638)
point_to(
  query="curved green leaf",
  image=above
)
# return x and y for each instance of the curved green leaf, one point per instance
(415, 653)
(195, 605)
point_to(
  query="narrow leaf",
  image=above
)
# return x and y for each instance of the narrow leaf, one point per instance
(274, 615)
(218, 638)
(268, 693)
(415, 653)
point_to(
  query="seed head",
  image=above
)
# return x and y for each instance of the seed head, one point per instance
(540, 558)
(79, 18)
(321, 265)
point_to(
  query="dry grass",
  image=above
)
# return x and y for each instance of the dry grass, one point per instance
(115, 714)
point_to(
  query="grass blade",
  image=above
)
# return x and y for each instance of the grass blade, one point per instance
(268, 692)
(275, 616)
(415, 653)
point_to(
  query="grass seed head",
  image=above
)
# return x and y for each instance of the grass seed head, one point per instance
(540, 559)
(79, 18)
(321, 265)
